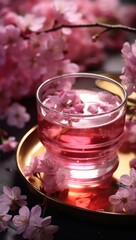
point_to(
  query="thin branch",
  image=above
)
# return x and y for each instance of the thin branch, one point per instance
(108, 27)
(103, 25)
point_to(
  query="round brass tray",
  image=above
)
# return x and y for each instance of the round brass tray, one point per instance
(99, 209)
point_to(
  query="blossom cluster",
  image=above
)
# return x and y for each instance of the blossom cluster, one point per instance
(31, 51)
(29, 54)
(28, 222)
(70, 101)
(128, 76)
(124, 201)
(53, 178)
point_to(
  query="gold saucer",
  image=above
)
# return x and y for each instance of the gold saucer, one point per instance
(92, 204)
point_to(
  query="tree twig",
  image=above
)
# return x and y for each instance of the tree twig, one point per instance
(91, 25)
(107, 27)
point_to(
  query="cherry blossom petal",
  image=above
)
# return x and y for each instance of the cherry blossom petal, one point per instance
(4, 217)
(17, 115)
(9, 144)
(32, 168)
(12, 197)
(124, 201)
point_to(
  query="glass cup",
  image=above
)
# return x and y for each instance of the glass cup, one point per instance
(81, 120)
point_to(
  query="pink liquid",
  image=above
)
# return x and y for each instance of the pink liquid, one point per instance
(87, 147)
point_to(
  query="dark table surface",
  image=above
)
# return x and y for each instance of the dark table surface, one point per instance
(71, 227)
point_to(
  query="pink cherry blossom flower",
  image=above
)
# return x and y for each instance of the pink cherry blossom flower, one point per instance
(41, 163)
(41, 229)
(128, 76)
(55, 178)
(70, 102)
(17, 87)
(73, 110)
(8, 145)
(12, 197)
(57, 182)
(38, 42)
(98, 108)
(69, 98)
(66, 101)
(32, 22)
(32, 226)
(109, 98)
(21, 221)
(42, 8)
(4, 217)
(17, 115)
(32, 168)
(124, 201)
(66, 12)
(48, 165)
(32, 63)
(129, 180)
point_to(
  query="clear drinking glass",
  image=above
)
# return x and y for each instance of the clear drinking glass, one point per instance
(81, 123)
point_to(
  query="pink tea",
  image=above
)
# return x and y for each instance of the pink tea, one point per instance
(83, 136)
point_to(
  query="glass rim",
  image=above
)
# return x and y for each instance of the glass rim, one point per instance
(82, 74)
